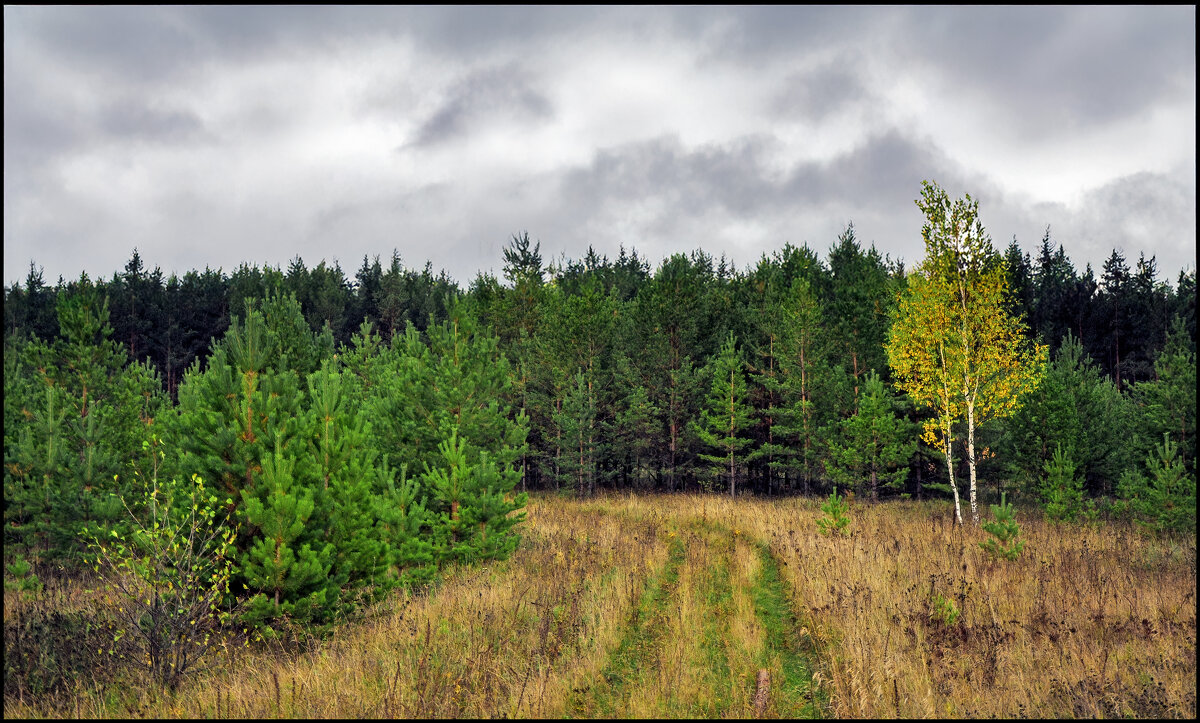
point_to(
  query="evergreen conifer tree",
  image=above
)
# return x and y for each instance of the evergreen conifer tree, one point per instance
(638, 422)
(577, 420)
(346, 491)
(1076, 407)
(803, 375)
(288, 563)
(1062, 487)
(81, 412)
(1166, 499)
(1168, 402)
(476, 500)
(725, 417)
(457, 382)
(404, 524)
(873, 447)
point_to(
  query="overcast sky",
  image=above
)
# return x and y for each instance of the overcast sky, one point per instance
(209, 136)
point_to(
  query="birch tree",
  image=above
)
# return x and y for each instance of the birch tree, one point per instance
(953, 345)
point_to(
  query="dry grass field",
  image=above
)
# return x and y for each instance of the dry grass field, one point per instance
(671, 605)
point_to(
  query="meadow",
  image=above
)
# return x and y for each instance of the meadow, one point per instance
(648, 606)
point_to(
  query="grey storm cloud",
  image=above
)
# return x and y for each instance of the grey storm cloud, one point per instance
(484, 96)
(212, 135)
(737, 176)
(1054, 70)
(1138, 206)
(816, 94)
(148, 123)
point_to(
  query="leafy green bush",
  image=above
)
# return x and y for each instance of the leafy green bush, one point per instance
(169, 576)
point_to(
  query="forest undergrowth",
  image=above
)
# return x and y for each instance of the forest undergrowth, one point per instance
(669, 606)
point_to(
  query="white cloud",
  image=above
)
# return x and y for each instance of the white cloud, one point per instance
(214, 136)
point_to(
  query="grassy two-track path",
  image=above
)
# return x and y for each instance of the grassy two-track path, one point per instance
(715, 615)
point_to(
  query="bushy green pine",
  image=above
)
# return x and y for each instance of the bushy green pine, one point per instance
(345, 490)
(725, 419)
(231, 415)
(835, 520)
(79, 413)
(1166, 499)
(288, 563)
(475, 501)
(872, 447)
(1005, 533)
(404, 522)
(1062, 488)
(425, 393)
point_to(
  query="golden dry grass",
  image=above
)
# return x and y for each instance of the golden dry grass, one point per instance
(1090, 621)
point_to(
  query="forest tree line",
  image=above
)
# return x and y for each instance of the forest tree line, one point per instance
(317, 405)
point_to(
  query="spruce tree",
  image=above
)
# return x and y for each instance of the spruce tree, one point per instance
(638, 422)
(577, 421)
(1062, 487)
(804, 375)
(873, 447)
(725, 417)
(1076, 407)
(1168, 402)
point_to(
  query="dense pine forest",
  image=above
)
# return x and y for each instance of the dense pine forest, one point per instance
(294, 443)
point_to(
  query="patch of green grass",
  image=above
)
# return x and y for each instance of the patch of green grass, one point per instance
(642, 638)
(795, 696)
(714, 598)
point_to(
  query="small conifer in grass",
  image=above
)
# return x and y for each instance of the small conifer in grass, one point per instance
(1166, 500)
(835, 520)
(1005, 541)
(1062, 488)
(22, 579)
(288, 563)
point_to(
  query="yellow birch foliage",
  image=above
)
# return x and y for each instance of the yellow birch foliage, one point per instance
(953, 346)
(922, 364)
